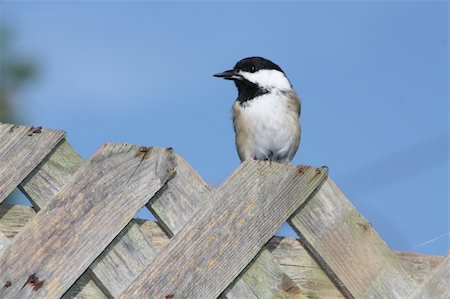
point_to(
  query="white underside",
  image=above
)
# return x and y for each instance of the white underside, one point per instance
(272, 129)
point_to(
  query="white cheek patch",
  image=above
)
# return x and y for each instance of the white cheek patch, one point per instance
(269, 79)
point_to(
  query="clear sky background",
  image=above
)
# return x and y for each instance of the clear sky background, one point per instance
(373, 77)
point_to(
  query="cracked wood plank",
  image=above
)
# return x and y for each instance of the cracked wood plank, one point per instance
(180, 199)
(205, 256)
(21, 150)
(358, 261)
(83, 218)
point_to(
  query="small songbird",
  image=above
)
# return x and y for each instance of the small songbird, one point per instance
(266, 112)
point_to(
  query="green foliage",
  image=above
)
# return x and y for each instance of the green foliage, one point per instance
(15, 72)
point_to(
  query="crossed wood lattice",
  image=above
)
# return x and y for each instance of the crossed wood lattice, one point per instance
(84, 242)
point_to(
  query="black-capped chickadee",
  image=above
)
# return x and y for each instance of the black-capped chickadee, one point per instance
(266, 112)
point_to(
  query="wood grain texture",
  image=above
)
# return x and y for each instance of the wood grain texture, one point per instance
(83, 218)
(41, 185)
(48, 178)
(123, 259)
(302, 268)
(437, 284)
(419, 266)
(358, 261)
(280, 284)
(182, 196)
(206, 254)
(13, 218)
(85, 288)
(180, 199)
(21, 150)
(4, 242)
(289, 254)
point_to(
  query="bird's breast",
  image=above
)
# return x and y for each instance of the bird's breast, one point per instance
(265, 125)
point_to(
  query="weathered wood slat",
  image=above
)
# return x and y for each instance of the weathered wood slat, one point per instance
(85, 288)
(21, 150)
(419, 266)
(280, 284)
(41, 185)
(47, 179)
(313, 282)
(4, 242)
(206, 254)
(13, 218)
(123, 259)
(288, 253)
(79, 223)
(437, 284)
(180, 199)
(302, 268)
(348, 248)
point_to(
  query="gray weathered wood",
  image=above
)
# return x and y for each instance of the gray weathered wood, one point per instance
(180, 199)
(302, 268)
(437, 284)
(123, 259)
(206, 254)
(280, 284)
(83, 218)
(313, 282)
(348, 248)
(13, 218)
(288, 252)
(21, 150)
(4, 242)
(47, 179)
(85, 288)
(41, 185)
(419, 266)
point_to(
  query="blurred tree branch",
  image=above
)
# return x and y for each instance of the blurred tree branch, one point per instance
(15, 72)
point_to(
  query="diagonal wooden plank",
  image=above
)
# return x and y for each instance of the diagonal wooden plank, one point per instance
(358, 261)
(83, 218)
(41, 185)
(437, 284)
(4, 242)
(48, 178)
(279, 285)
(288, 252)
(180, 199)
(13, 218)
(84, 289)
(21, 150)
(314, 283)
(123, 259)
(207, 253)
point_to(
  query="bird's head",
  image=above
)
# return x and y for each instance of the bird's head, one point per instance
(255, 76)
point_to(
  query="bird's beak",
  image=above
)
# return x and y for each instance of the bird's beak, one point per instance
(229, 75)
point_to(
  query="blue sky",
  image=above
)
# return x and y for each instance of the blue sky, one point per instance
(373, 77)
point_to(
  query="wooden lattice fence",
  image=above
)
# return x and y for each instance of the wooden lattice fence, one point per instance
(81, 240)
